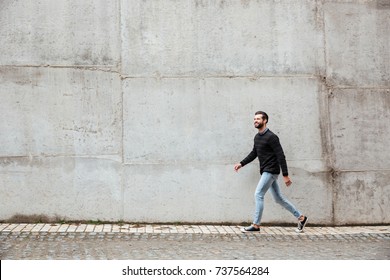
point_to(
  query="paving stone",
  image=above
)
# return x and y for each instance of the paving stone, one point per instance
(46, 241)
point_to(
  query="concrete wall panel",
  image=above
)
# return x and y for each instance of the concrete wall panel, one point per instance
(69, 188)
(358, 43)
(237, 38)
(59, 32)
(363, 198)
(54, 111)
(183, 136)
(211, 120)
(359, 126)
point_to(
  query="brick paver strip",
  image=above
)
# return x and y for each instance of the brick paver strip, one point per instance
(142, 229)
(106, 228)
(37, 227)
(181, 229)
(54, 228)
(116, 228)
(45, 228)
(332, 231)
(81, 228)
(10, 227)
(98, 228)
(71, 228)
(3, 226)
(236, 229)
(23, 227)
(63, 228)
(90, 228)
(314, 231)
(271, 230)
(197, 229)
(363, 232)
(212, 229)
(124, 228)
(148, 229)
(28, 227)
(133, 229)
(220, 229)
(204, 229)
(228, 229)
(188, 229)
(173, 229)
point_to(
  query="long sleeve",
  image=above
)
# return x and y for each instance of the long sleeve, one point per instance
(275, 145)
(252, 155)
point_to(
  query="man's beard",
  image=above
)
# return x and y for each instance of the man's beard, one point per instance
(259, 125)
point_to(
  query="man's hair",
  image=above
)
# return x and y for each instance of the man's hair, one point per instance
(264, 115)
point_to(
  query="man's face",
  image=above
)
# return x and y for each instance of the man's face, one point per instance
(259, 122)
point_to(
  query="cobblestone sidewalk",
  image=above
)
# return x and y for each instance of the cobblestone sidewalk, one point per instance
(200, 229)
(164, 242)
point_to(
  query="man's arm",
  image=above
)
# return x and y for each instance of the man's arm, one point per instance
(277, 147)
(278, 150)
(249, 158)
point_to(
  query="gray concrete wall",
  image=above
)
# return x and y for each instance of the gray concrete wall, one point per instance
(138, 110)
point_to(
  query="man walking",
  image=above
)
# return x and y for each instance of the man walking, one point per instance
(268, 150)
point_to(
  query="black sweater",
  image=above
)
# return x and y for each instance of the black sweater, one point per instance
(270, 153)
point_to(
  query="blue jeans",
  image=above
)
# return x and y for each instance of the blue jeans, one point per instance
(270, 181)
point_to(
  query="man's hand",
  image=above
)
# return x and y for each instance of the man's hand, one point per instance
(237, 166)
(287, 181)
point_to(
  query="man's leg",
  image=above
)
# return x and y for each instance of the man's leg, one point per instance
(264, 184)
(261, 189)
(280, 199)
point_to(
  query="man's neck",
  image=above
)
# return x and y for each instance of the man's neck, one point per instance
(263, 129)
